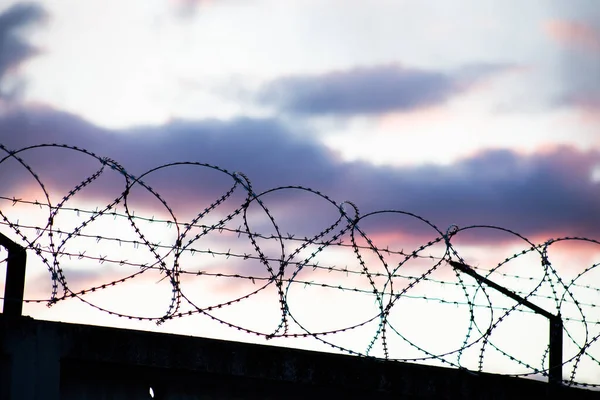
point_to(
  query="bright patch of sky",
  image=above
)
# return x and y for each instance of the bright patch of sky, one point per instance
(138, 63)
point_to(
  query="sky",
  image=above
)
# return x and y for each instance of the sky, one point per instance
(464, 112)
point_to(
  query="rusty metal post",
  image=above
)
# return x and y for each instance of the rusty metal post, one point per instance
(555, 358)
(14, 287)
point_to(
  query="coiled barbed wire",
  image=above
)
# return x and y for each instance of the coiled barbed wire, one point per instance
(384, 277)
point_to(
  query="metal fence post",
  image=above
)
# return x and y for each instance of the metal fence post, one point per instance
(555, 358)
(14, 286)
(556, 350)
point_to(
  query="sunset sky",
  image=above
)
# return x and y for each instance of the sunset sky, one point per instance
(463, 112)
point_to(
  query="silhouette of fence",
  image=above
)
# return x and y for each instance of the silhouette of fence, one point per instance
(60, 232)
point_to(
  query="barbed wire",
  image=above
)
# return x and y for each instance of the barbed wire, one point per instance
(385, 280)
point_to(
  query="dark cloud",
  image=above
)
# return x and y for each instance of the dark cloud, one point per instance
(254, 146)
(371, 90)
(543, 194)
(263, 149)
(549, 192)
(13, 48)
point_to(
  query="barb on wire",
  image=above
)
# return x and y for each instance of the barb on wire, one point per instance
(237, 242)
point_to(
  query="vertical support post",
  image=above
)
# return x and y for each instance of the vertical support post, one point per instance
(14, 287)
(555, 358)
(556, 350)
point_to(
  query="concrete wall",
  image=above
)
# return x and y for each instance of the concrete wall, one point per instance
(50, 360)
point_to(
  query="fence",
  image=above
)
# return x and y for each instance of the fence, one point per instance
(287, 278)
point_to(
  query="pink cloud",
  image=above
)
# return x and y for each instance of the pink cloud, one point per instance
(406, 120)
(572, 33)
(590, 108)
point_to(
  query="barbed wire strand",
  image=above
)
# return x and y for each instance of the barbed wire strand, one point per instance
(396, 277)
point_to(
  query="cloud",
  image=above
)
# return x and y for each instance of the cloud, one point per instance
(14, 50)
(371, 90)
(574, 33)
(578, 38)
(262, 148)
(189, 8)
(545, 193)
